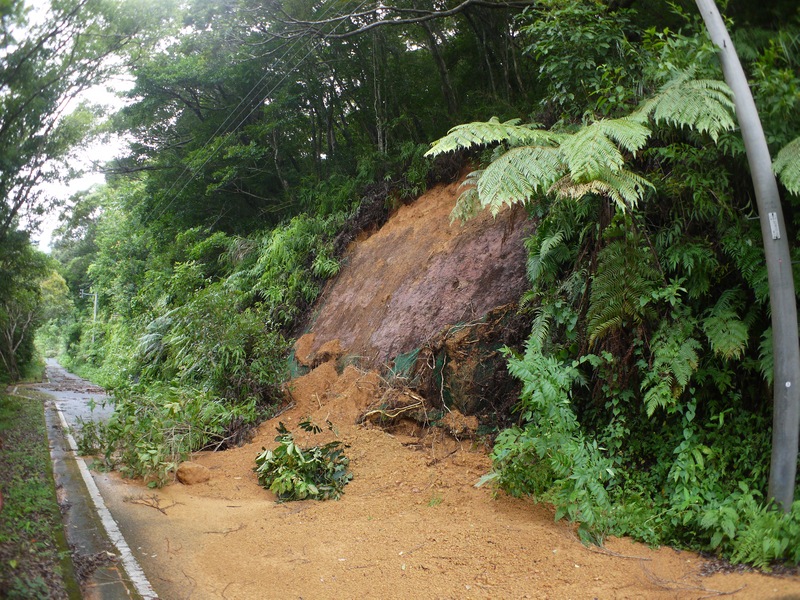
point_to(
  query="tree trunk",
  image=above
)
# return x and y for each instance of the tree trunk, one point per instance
(441, 66)
(785, 346)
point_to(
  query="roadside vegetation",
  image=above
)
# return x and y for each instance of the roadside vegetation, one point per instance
(265, 138)
(34, 558)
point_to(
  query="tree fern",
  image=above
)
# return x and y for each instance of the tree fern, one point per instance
(624, 187)
(518, 175)
(787, 166)
(596, 149)
(468, 204)
(704, 105)
(589, 161)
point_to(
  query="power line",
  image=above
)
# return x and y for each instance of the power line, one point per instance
(240, 108)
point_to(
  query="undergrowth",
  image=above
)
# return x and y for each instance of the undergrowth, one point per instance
(31, 554)
(212, 345)
(641, 411)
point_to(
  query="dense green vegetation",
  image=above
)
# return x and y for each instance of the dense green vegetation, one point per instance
(262, 136)
(32, 543)
(644, 409)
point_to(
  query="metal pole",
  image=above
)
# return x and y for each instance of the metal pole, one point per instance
(786, 380)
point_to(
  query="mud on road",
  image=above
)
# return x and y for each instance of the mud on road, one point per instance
(411, 524)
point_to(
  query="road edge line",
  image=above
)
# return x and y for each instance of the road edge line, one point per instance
(129, 562)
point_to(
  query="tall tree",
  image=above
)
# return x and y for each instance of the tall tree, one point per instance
(48, 60)
(22, 269)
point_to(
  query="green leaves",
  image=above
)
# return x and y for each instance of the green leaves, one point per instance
(591, 160)
(674, 362)
(622, 288)
(490, 132)
(787, 166)
(703, 105)
(518, 175)
(727, 333)
(539, 162)
(597, 148)
(292, 473)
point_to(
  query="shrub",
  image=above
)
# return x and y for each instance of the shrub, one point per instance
(292, 473)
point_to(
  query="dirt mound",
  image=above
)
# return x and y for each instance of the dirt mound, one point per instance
(411, 523)
(419, 274)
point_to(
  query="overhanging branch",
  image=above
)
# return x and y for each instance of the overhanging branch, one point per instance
(392, 16)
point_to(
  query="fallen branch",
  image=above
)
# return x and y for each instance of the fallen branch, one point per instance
(152, 501)
(229, 530)
(673, 585)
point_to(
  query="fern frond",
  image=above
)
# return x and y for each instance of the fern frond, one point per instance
(623, 187)
(594, 149)
(518, 175)
(675, 360)
(493, 131)
(540, 329)
(625, 276)
(468, 204)
(766, 357)
(727, 333)
(704, 105)
(787, 166)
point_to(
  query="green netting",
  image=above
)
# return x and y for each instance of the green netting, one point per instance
(295, 368)
(404, 364)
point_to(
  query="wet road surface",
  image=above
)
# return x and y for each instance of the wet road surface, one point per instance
(100, 553)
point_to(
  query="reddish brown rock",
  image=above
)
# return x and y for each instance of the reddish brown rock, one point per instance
(190, 473)
(421, 273)
(304, 350)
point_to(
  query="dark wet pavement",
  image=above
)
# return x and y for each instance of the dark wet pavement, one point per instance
(78, 399)
(95, 551)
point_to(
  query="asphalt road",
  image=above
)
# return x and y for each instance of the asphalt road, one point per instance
(100, 552)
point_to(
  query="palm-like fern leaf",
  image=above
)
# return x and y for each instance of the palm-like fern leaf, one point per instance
(518, 175)
(490, 132)
(787, 166)
(705, 105)
(595, 148)
(468, 204)
(623, 187)
(591, 160)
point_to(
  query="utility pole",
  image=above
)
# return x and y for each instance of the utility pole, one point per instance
(786, 350)
(94, 314)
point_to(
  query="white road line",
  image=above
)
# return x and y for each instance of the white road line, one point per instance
(129, 562)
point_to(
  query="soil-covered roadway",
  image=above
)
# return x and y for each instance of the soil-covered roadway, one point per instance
(411, 524)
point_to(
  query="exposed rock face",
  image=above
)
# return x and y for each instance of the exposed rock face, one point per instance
(190, 473)
(418, 274)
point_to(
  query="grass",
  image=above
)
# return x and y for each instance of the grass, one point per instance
(34, 559)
